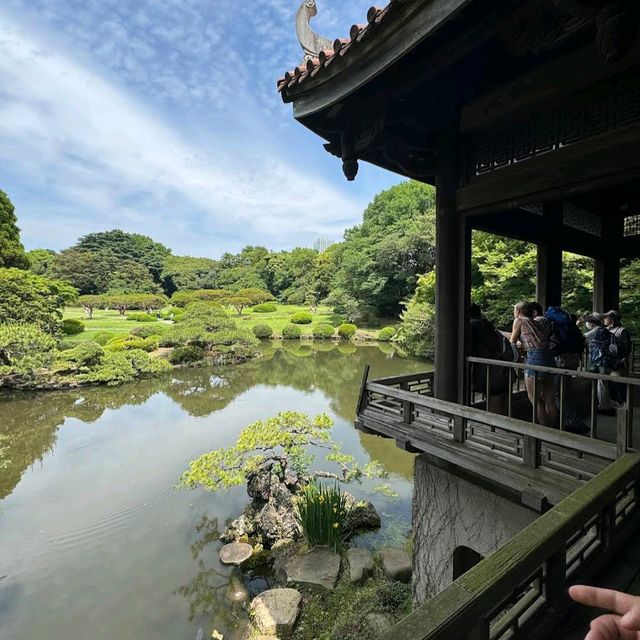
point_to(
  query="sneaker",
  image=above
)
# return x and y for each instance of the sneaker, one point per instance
(607, 412)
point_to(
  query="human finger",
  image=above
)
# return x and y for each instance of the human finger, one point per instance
(615, 601)
(610, 627)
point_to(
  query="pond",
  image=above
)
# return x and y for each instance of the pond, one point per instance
(96, 541)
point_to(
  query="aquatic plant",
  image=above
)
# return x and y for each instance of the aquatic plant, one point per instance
(321, 512)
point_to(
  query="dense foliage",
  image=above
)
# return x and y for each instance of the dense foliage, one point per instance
(26, 298)
(347, 331)
(11, 250)
(72, 327)
(321, 513)
(263, 331)
(25, 348)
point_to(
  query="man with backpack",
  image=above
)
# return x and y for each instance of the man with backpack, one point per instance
(567, 345)
(601, 358)
(620, 352)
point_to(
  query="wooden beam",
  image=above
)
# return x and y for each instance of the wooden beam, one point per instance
(549, 263)
(583, 167)
(448, 260)
(606, 276)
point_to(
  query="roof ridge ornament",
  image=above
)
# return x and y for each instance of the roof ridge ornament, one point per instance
(312, 44)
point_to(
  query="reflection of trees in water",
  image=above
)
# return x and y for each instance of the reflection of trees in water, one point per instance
(29, 421)
(207, 591)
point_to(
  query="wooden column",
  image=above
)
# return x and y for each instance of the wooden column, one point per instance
(606, 277)
(448, 261)
(549, 265)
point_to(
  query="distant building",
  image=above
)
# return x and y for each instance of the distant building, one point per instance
(322, 244)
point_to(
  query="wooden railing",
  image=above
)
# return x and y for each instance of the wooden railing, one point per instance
(520, 591)
(418, 421)
(565, 377)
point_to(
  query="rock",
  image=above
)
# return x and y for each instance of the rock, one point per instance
(360, 564)
(396, 564)
(276, 611)
(317, 569)
(362, 516)
(378, 623)
(235, 553)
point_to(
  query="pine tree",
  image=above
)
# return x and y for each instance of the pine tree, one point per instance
(12, 252)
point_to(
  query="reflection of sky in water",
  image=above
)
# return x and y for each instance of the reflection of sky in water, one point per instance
(94, 538)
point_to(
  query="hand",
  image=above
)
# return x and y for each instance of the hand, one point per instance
(622, 624)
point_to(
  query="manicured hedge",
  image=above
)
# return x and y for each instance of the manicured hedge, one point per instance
(141, 317)
(387, 334)
(291, 332)
(302, 317)
(72, 327)
(103, 337)
(263, 331)
(323, 331)
(346, 331)
(186, 355)
(265, 307)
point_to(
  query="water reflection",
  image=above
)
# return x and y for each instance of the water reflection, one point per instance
(91, 527)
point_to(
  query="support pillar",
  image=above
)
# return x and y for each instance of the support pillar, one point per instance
(549, 263)
(606, 276)
(448, 261)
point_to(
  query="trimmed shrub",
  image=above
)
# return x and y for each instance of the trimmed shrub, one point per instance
(103, 337)
(346, 331)
(72, 327)
(24, 348)
(386, 335)
(265, 307)
(65, 345)
(83, 356)
(130, 343)
(263, 331)
(141, 317)
(172, 313)
(118, 367)
(302, 317)
(323, 331)
(147, 332)
(291, 332)
(186, 355)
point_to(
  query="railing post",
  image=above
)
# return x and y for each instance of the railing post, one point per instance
(407, 405)
(480, 631)
(622, 432)
(557, 577)
(488, 389)
(563, 400)
(510, 394)
(594, 409)
(534, 402)
(362, 398)
(459, 428)
(531, 452)
(607, 526)
(631, 399)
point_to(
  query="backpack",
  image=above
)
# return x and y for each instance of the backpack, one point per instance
(619, 348)
(600, 349)
(565, 336)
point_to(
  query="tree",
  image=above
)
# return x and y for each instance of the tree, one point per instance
(24, 348)
(284, 440)
(11, 250)
(127, 246)
(26, 298)
(380, 260)
(256, 296)
(40, 261)
(183, 298)
(123, 302)
(416, 334)
(186, 273)
(238, 302)
(89, 303)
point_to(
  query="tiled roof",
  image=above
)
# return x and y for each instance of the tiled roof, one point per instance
(342, 47)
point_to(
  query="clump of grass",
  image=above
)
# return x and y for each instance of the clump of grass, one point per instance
(321, 513)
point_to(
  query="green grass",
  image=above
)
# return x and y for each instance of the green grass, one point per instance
(114, 323)
(110, 321)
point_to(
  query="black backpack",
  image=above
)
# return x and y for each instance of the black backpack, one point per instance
(565, 336)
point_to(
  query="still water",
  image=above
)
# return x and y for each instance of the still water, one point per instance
(95, 540)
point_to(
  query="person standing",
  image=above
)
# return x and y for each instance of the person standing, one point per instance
(621, 353)
(534, 336)
(599, 359)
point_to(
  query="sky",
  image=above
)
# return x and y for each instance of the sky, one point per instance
(162, 117)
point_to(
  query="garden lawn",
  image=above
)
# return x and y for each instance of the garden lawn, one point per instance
(278, 319)
(103, 321)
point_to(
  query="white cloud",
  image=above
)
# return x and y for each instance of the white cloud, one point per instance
(96, 151)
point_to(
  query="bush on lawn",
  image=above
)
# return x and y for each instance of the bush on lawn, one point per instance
(346, 331)
(291, 332)
(323, 331)
(387, 334)
(265, 307)
(263, 331)
(147, 331)
(302, 317)
(141, 317)
(103, 337)
(72, 327)
(186, 355)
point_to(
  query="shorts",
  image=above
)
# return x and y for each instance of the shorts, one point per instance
(539, 358)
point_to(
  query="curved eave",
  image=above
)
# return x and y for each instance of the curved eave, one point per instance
(414, 22)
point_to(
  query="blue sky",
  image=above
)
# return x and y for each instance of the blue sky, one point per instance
(161, 117)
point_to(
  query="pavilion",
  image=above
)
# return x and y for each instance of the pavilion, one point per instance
(525, 115)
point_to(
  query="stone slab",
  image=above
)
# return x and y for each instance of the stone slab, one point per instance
(235, 553)
(360, 564)
(276, 612)
(396, 564)
(317, 569)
